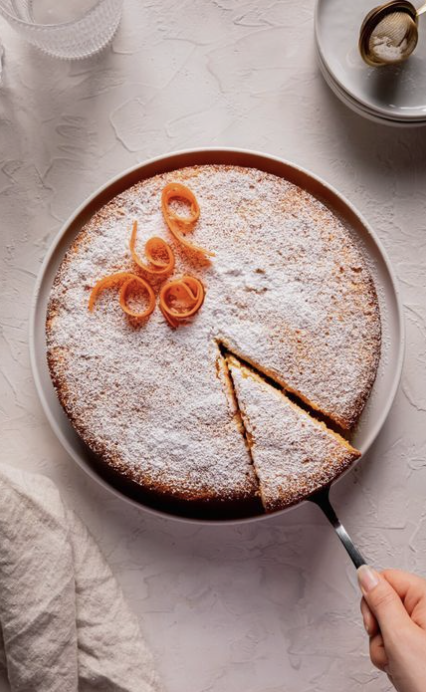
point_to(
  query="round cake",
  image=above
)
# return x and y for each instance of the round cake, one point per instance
(288, 293)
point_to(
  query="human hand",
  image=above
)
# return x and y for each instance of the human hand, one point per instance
(394, 613)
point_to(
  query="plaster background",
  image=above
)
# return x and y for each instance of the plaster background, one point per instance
(271, 607)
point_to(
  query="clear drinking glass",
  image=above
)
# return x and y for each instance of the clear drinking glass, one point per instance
(64, 28)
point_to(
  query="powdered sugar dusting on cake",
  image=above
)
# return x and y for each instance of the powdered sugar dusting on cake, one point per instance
(293, 454)
(287, 289)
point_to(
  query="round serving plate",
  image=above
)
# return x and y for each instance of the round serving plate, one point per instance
(390, 366)
(357, 107)
(391, 93)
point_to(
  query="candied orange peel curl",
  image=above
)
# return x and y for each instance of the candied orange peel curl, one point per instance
(125, 280)
(181, 225)
(181, 299)
(158, 253)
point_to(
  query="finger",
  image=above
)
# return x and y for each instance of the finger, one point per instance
(403, 581)
(384, 603)
(377, 653)
(370, 622)
(412, 591)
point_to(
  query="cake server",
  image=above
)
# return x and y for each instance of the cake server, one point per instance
(322, 499)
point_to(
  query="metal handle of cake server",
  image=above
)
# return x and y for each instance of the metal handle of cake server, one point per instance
(322, 500)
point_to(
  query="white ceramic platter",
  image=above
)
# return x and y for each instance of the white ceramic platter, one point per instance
(393, 92)
(358, 107)
(388, 377)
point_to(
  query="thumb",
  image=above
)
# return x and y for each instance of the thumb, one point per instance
(383, 601)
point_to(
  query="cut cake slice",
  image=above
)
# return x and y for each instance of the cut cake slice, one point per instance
(293, 453)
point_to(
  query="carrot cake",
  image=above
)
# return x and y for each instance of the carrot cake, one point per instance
(288, 291)
(293, 454)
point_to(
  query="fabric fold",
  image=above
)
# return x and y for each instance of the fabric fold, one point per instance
(64, 624)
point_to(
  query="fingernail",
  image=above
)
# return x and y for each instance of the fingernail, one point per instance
(367, 578)
(366, 626)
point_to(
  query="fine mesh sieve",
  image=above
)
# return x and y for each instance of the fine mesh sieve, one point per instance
(394, 37)
(389, 33)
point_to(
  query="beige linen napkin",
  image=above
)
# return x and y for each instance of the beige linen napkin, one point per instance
(64, 625)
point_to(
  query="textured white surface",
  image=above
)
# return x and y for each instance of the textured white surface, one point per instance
(267, 607)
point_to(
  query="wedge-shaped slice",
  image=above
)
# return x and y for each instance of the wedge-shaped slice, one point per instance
(293, 453)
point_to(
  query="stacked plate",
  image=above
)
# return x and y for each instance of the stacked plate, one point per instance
(395, 95)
